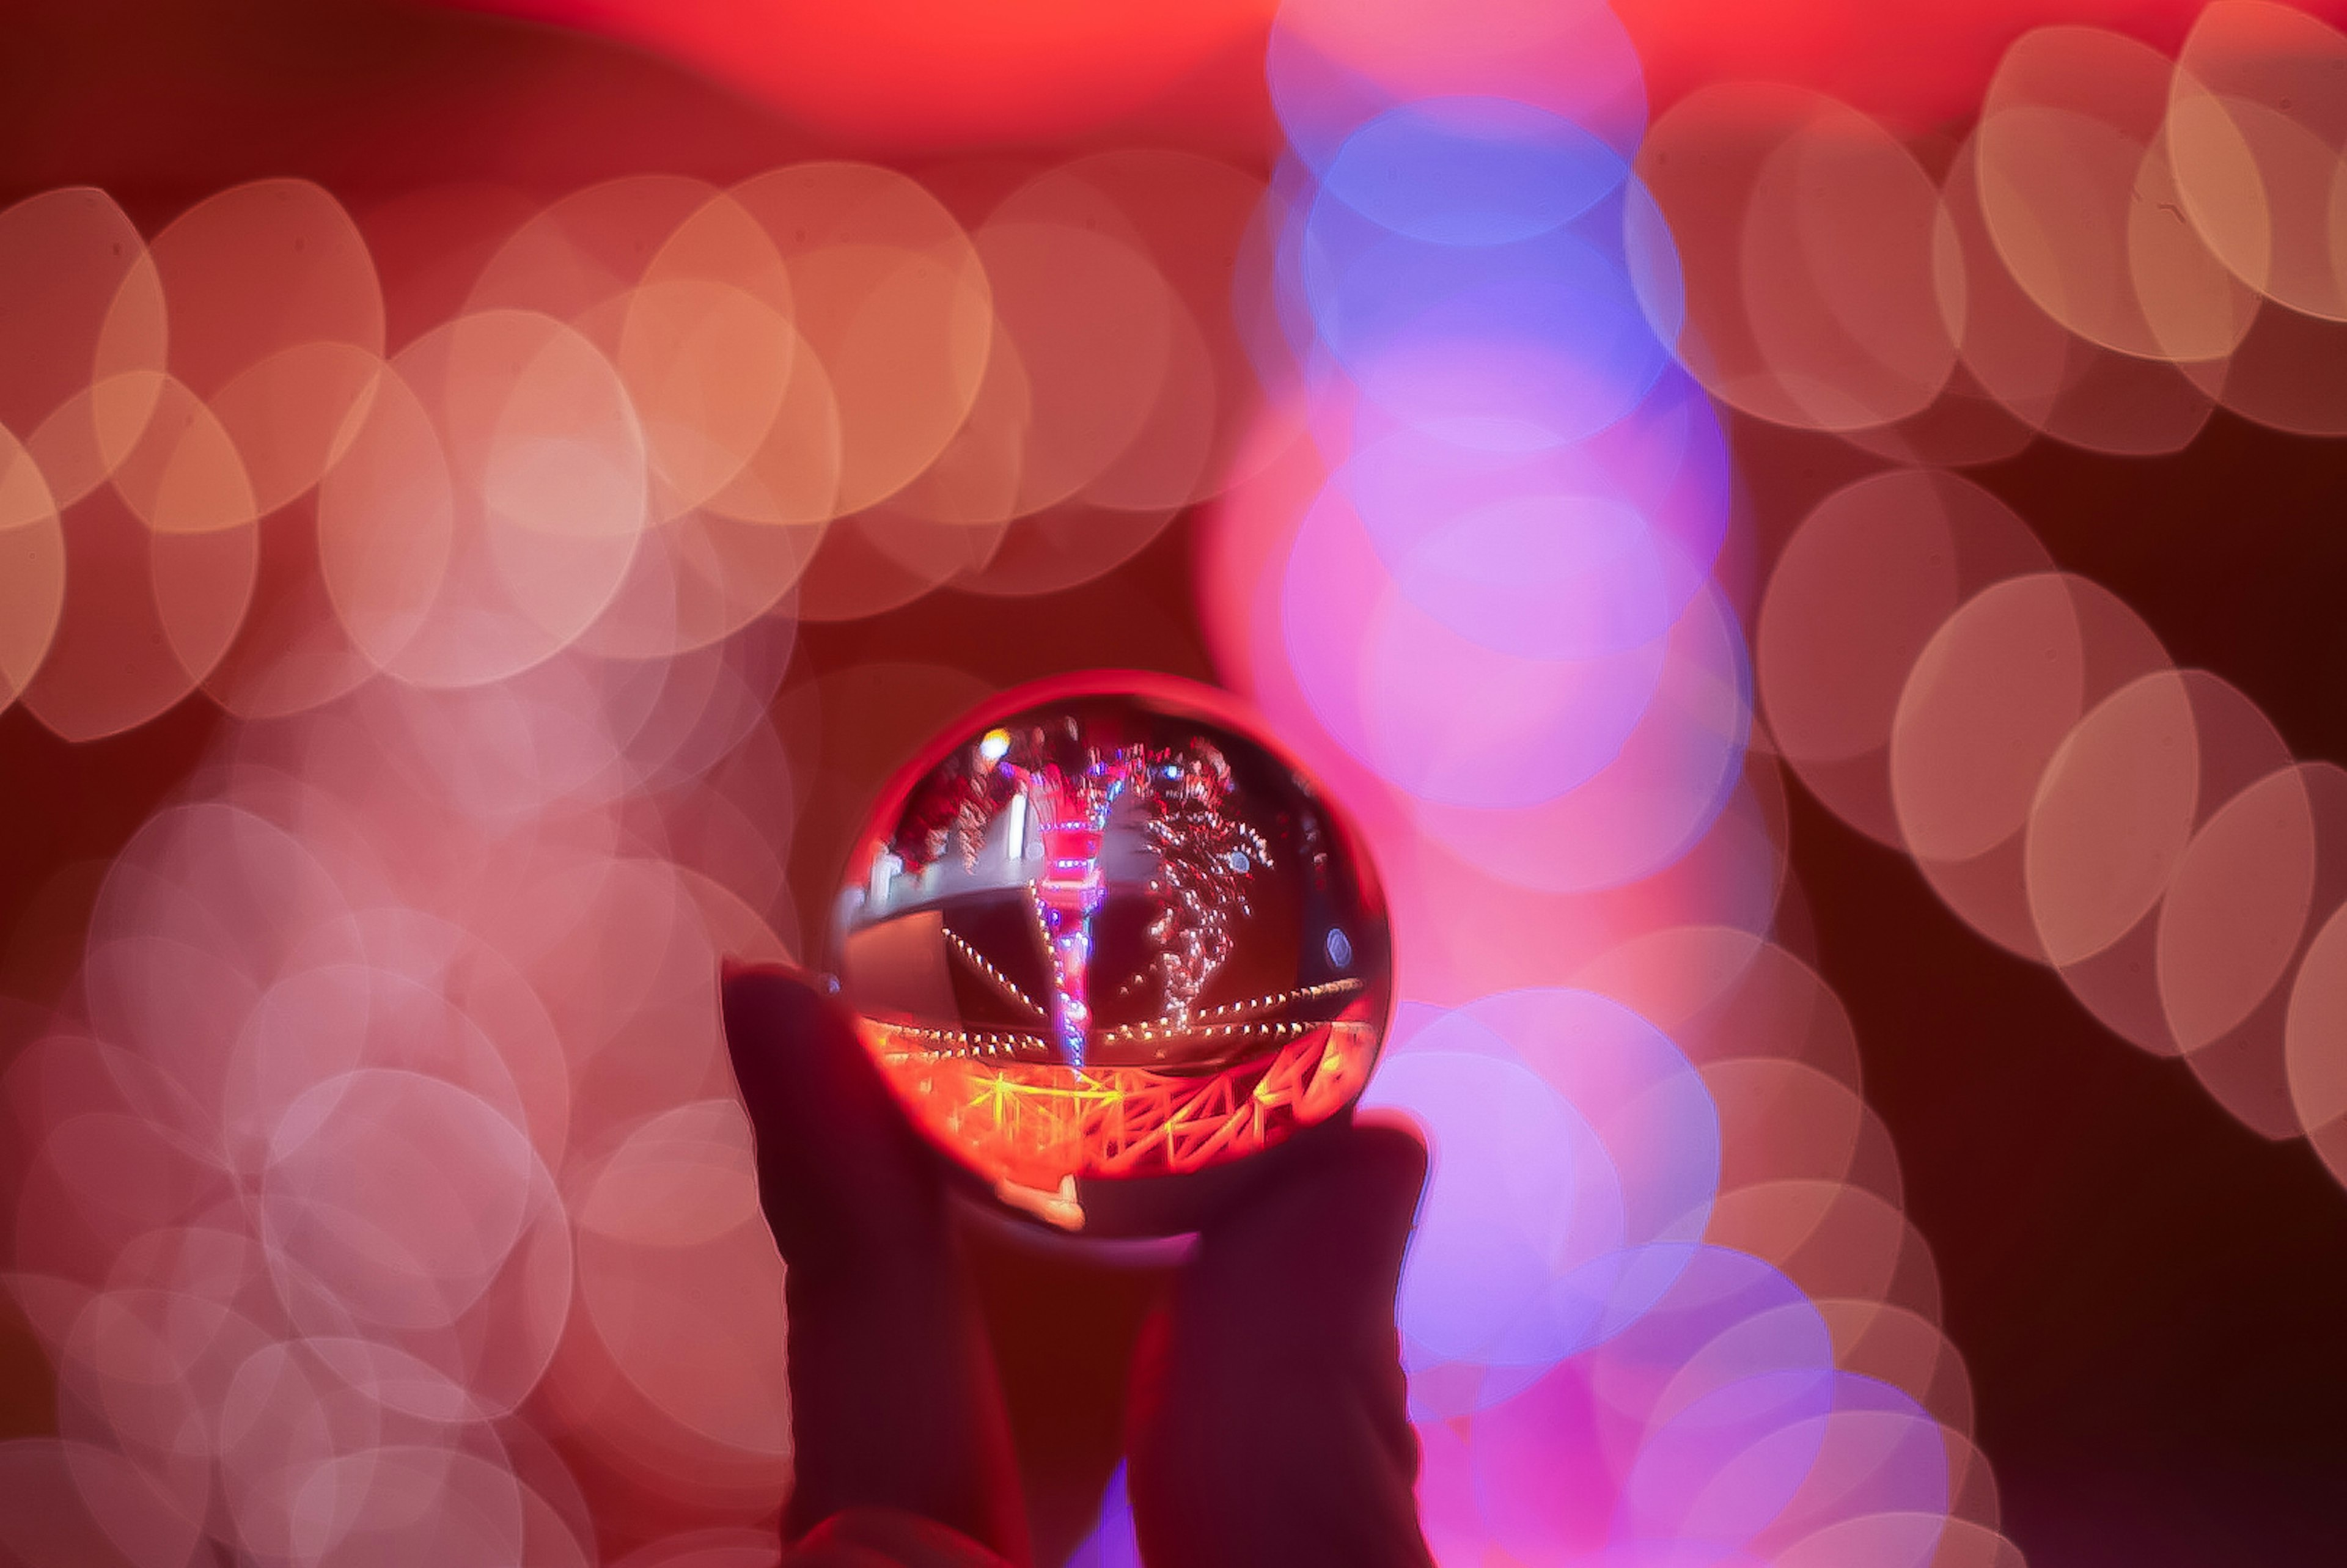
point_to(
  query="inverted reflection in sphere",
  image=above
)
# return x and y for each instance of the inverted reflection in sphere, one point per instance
(1104, 941)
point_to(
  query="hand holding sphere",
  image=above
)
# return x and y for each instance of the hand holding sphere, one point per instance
(1111, 965)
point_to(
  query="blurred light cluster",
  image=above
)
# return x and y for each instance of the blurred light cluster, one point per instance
(654, 411)
(385, 1197)
(2123, 243)
(1663, 1304)
(378, 1191)
(2068, 792)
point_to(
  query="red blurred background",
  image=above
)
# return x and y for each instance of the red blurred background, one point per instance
(2147, 1293)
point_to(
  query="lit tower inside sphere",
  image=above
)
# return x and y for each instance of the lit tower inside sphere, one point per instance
(1106, 941)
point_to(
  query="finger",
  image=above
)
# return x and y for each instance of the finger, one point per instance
(1271, 1424)
(845, 1180)
(894, 1404)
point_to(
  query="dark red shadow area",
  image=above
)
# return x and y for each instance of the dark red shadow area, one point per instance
(2147, 1293)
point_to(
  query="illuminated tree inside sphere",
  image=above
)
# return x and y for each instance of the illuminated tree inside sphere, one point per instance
(1106, 941)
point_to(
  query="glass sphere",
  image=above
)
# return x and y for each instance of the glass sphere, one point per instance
(1105, 942)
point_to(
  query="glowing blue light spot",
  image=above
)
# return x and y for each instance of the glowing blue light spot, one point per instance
(1237, 861)
(1474, 170)
(1546, 330)
(1341, 948)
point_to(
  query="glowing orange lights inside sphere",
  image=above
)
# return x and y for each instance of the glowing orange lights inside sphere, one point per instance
(1105, 941)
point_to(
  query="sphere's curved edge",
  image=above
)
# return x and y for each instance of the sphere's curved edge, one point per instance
(1110, 942)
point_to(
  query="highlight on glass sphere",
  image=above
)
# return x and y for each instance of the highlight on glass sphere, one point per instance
(1105, 942)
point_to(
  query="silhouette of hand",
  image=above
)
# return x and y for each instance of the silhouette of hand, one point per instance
(1266, 1424)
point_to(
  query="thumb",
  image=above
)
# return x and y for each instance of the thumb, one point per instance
(1270, 1421)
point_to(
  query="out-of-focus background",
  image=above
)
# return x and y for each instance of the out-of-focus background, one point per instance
(275, 796)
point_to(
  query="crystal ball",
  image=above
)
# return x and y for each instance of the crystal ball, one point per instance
(1107, 942)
